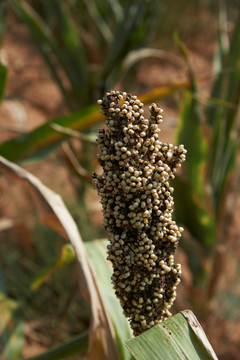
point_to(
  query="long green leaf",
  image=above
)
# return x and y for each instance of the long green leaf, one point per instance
(70, 54)
(128, 35)
(96, 251)
(180, 337)
(3, 78)
(3, 69)
(190, 133)
(194, 214)
(11, 329)
(76, 345)
(2, 19)
(222, 120)
(193, 208)
(44, 139)
(99, 21)
(42, 37)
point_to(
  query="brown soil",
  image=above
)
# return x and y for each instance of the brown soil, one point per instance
(31, 98)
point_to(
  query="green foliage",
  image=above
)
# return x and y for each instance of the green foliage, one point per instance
(209, 135)
(179, 337)
(38, 143)
(58, 293)
(72, 34)
(11, 329)
(3, 69)
(222, 118)
(67, 256)
(3, 78)
(2, 19)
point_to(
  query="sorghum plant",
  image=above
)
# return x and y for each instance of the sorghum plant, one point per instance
(137, 204)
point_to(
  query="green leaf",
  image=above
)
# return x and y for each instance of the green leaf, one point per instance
(11, 329)
(180, 337)
(193, 208)
(76, 345)
(99, 21)
(96, 251)
(67, 256)
(190, 133)
(221, 119)
(194, 214)
(196, 257)
(70, 54)
(44, 139)
(2, 282)
(42, 37)
(3, 69)
(41, 141)
(63, 46)
(3, 78)
(128, 35)
(2, 19)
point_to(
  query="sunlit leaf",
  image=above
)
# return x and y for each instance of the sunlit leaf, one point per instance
(161, 92)
(180, 337)
(3, 289)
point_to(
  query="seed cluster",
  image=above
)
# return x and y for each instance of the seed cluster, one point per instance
(137, 204)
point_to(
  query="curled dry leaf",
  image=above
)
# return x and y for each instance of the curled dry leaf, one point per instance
(53, 213)
(199, 332)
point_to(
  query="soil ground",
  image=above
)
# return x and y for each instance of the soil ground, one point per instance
(31, 98)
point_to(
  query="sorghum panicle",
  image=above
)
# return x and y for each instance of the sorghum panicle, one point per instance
(137, 205)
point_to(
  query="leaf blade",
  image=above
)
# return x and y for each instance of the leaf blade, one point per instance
(44, 139)
(172, 339)
(97, 255)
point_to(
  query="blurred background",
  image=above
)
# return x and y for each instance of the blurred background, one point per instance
(56, 59)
